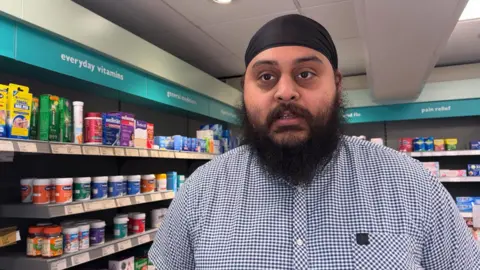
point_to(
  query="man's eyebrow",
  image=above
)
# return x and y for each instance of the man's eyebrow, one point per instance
(265, 62)
(307, 59)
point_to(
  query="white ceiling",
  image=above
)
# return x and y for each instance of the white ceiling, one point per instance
(214, 37)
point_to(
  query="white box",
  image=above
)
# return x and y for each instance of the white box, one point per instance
(125, 264)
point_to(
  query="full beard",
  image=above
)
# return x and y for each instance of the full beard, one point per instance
(297, 161)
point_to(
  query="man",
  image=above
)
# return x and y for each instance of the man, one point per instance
(298, 194)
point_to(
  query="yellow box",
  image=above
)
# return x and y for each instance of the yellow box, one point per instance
(19, 109)
(3, 110)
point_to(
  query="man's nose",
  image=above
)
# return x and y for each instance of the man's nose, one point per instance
(286, 90)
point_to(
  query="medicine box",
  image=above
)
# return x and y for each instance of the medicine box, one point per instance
(475, 145)
(141, 134)
(19, 109)
(111, 129)
(205, 134)
(150, 135)
(465, 204)
(453, 173)
(473, 169)
(127, 129)
(433, 167)
(49, 118)
(3, 109)
(125, 264)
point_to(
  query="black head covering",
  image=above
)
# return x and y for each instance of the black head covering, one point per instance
(292, 30)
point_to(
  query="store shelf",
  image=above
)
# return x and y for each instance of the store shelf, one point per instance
(58, 210)
(21, 261)
(41, 147)
(460, 179)
(445, 153)
(466, 215)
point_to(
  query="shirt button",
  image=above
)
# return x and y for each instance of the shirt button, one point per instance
(299, 242)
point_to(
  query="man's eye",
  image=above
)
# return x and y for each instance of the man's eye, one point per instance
(266, 77)
(305, 75)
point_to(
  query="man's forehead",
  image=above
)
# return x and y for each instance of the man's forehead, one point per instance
(287, 55)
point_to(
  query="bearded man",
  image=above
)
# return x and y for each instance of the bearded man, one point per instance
(299, 194)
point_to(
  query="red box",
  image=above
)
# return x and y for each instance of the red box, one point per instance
(150, 135)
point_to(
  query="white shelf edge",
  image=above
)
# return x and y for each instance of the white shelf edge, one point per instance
(444, 153)
(466, 179)
(466, 215)
(79, 207)
(21, 261)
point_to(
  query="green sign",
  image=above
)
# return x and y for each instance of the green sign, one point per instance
(177, 97)
(224, 112)
(410, 111)
(7, 32)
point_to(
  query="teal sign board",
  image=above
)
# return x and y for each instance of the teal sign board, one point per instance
(7, 32)
(177, 97)
(410, 111)
(39, 49)
(224, 112)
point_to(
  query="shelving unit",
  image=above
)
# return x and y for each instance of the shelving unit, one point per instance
(459, 179)
(41, 147)
(445, 153)
(59, 210)
(20, 261)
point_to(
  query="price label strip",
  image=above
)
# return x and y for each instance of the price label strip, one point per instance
(6, 146)
(156, 197)
(73, 209)
(93, 206)
(154, 153)
(140, 199)
(124, 245)
(143, 153)
(107, 151)
(120, 152)
(124, 202)
(27, 147)
(108, 250)
(59, 265)
(80, 258)
(166, 154)
(66, 149)
(144, 239)
(132, 152)
(109, 204)
(91, 150)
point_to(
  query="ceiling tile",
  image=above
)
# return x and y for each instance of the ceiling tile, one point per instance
(351, 56)
(221, 67)
(463, 46)
(138, 16)
(339, 18)
(190, 43)
(313, 3)
(206, 12)
(236, 35)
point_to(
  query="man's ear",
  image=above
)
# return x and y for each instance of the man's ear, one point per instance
(338, 80)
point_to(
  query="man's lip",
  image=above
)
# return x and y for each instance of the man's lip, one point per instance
(292, 121)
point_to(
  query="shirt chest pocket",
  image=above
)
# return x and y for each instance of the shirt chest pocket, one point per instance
(383, 251)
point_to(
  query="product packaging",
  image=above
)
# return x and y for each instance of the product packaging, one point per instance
(27, 190)
(52, 244)
(93, 128)
(82, 188)
(65, 120)
(141, 134)
(97, 232)
(418, 144)
(216, 147)
(136, 223)
(111, 123)
(181, 181)
(451, 144)
(465, 204)
(115, 186)
(429, 145)
(70, 239)
(34, 241)
(124, 264)
(63, 190)
(150, 135)
(41, 191)
(141, 263)
(473, 169)
(99, 187)
(475, 145)
(205, 134)
(405, 145)
(3, 109)
(49, 118)
(33, 135)
(439, 144)
(120, 227)
(156, 217)
(19, 109)
(177, 143)
(172, 181)
(433, 167)
(147, 183)
(161, 182)
(127, 129)
(83, 235)
(78, 122)
(453, 173)
(133, 185)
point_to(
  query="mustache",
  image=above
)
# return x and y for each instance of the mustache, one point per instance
(293, 108)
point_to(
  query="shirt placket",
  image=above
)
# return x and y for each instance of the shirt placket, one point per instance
(300, 251)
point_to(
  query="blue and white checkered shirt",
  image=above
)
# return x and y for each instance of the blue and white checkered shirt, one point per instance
(370, 208)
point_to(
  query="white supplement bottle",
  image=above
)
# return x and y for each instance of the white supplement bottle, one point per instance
(78, 122)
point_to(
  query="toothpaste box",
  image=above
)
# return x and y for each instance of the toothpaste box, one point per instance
(453, 173)
(141, 134)
(111, 123)
(433, 167)
(150, 135)
(205, 134)
(3, 110)
(473, 169)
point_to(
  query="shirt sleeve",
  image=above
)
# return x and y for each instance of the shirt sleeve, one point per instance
(448, 243)
(172, 248)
